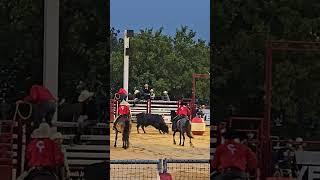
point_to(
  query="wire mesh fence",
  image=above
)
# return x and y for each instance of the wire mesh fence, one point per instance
(187, 169)
(149, 169)
(135, 169)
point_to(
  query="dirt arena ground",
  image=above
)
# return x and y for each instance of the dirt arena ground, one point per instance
(154, 146)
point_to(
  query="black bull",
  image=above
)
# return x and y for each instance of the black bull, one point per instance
(154, 120)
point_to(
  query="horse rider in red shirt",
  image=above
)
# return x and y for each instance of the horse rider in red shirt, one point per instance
(122, 94)
(44, 104)
(183, 111)
(123, 111)
(232, 159)
(43, 154)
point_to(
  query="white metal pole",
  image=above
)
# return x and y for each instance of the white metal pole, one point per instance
(51, 47)
(126, 63)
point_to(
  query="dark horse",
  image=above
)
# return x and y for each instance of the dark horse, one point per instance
(123, 126)
(41, 175)
(183, 126)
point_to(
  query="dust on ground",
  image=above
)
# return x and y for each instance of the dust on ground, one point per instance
(154, 146)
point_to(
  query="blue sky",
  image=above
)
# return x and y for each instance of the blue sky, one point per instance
(171, 14)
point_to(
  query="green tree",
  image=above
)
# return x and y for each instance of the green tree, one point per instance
(164, 62)
(241, 30)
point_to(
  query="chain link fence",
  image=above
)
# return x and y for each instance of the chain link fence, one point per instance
(149, 169)
(135, 169)
(187, 169)
(183, 169)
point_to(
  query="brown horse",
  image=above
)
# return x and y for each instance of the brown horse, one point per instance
(122, 125)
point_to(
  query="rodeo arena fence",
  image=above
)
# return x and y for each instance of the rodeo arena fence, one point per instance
(94, 148)
(150, 169)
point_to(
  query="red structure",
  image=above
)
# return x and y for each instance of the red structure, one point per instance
(271, 46)
(193, 98)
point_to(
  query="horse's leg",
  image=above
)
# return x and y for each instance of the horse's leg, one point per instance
(183, 138)
(160, 131)
(138, 125)
(190, 142)
(115, 142)
(143, 129)
(128, 141)
(123, 140)
(174, 133)
(180, 138)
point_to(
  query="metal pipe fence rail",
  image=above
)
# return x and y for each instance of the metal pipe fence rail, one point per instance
(184, 169)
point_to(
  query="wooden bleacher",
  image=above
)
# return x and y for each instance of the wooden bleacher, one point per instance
(93, 150)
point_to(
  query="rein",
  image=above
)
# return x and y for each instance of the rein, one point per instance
(17, 111)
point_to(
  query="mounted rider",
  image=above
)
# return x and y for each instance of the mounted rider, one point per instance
(122, 94)
(123, 111)
(44, 104)
(43, 154)
(182, 112)
(233, 160)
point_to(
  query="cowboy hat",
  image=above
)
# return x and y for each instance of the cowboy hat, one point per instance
(136, 91)
(165, 92)
(124, 103)
(56, 135)
(35, 133)
(44, 130)
(85, 94)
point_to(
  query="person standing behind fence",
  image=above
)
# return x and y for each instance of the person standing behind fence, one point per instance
(233, 159)
(165, 96)
(44, 104)
(152, 94)
(146, 92)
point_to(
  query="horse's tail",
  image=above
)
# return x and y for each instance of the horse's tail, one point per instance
(188, 129)
(126, 128)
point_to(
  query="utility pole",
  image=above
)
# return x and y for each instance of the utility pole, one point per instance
(126, 53)
(51, 47)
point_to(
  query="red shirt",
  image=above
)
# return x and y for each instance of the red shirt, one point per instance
(39, 94)
(44, 153)
(183, 111)
(236, 155)
(123, 110)
(122, 91)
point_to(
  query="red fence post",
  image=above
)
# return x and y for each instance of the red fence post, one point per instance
(149, 106)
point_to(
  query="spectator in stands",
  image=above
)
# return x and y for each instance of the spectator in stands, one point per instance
(122, 94)
(64, 171)
(152, 94)
(165, 96)
(146, 92)
(233, 159)
(43, 154)
(200, 111)
(89, 115)
(43, 104)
